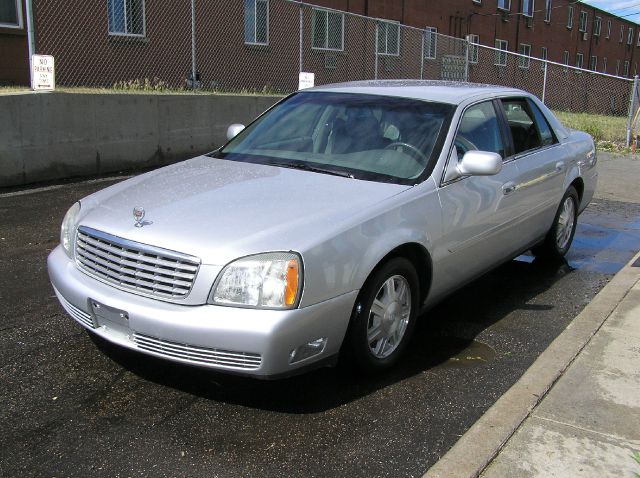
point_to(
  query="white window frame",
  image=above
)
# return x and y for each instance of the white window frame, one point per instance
(504, 5)
(127, 34)
(621, 33)
(608, 29)
(597, 26)
(544, 56)
(255, 24)
(618, 68)
(524, 61)
(625, 70)
(478, 2)
(593, 63)
(604, 64)
(548, 6)
(430, 43)
(326, 47)
(579, 60)
(630, 36)
(501, 52)
(638, 42)
(584, 18)
(473, 41)
(528, 7)
(565, 59)
(570, 17)
(387, 22)
(18, 25)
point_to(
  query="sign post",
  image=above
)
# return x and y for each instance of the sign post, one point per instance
(43, 76)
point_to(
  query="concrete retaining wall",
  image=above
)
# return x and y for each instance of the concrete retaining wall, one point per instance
(56, 135)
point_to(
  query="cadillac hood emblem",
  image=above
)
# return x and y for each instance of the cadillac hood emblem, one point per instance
(138, 215)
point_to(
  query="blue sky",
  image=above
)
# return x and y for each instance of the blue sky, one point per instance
(629, 9)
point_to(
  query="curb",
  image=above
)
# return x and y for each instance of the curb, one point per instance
(483, 441)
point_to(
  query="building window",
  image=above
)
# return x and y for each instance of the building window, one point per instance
(479, 2)
(11, 13)
(579, 60)
(604, 65)
(608, 29)
(638, 43)
(565, 58)
(473, 40)
(597, 25)
(430, 42)
(593, 66)
(618, 68)
(621, 33)
(547, 11)
(527, 8)
(388, 38)
(525, 60)
(570, 18)
(584, 17)
(126, 17)
(504, 5)
(630, 36)
(501, 53)
(626, 68)
(256, 22)
(543, 55)
(328, 30)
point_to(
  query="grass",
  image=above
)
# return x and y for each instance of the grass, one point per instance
(120, 91)
(609, 132)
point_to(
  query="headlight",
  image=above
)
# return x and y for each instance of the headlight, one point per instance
(271, 281)
(68, 229)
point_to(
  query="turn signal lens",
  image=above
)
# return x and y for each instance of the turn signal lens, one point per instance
(291, 288)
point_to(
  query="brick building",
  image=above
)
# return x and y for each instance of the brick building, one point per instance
(102, 42)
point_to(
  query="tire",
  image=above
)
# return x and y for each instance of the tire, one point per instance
(559, 238)
(386, 307)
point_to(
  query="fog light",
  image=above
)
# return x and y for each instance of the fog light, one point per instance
(307, 350)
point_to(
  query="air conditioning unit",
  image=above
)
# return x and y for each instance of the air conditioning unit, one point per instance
(505, 16)
(529, 22)
(585, 36)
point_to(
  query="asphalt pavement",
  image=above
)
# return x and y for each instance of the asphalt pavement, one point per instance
(73, 406)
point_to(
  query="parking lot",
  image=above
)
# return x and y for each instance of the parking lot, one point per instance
(73, 406)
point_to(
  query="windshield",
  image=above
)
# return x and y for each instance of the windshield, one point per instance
(363, 136)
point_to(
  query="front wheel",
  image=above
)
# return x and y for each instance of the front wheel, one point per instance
(384, 316)
(560, 236)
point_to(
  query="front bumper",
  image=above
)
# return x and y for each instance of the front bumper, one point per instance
(245, 341)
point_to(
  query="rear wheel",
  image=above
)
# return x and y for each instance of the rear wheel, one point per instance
(384, 316)
(560, 236)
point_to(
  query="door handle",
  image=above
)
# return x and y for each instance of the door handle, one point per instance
(509, 188)
(560, 167)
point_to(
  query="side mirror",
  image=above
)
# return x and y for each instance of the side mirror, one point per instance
(233, 130)
(480, 163)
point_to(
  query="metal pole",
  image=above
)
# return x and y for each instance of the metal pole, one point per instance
(466, 59)
(193, 44)
(544, 83)
(375, 75)
(30, 39)
(421, 56)
(301, 38)
(632, 105)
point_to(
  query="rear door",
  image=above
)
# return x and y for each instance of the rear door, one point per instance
(541, 165)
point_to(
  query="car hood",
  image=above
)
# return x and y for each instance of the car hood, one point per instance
(219, 210)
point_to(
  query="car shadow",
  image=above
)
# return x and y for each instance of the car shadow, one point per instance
(444, 336)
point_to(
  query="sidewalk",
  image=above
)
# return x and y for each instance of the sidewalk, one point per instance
(576, 411)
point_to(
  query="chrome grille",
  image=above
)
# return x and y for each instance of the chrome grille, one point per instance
(200, 355)
(145, 269)
(73, 311)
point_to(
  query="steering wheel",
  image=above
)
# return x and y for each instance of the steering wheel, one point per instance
(411, 148)
(463, 145)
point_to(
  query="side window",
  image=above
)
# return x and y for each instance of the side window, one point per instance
(546, 134)
(521, 124)
(479, 130)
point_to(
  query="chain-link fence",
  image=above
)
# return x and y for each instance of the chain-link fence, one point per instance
(262, 45)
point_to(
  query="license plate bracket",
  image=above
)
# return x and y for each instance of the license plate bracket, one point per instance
(107, 316)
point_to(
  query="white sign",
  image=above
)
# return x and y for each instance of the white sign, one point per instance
(43, 75)
(306, 80)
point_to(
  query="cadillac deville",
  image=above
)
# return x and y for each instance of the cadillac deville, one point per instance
(326, 226)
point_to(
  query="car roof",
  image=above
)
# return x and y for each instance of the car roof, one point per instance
(452, 92)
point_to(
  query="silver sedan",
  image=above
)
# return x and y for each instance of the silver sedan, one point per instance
(326, 226)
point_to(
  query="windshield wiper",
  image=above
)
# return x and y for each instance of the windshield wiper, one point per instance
(315, 169)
